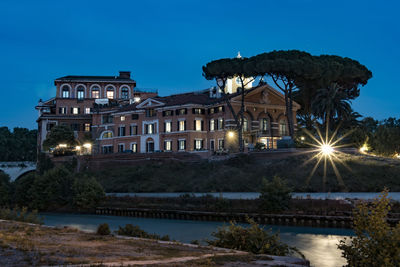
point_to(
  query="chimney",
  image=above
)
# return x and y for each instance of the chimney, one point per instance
(125, 74)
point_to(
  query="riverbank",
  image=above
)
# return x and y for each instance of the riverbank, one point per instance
(23, 244)
(244, 173)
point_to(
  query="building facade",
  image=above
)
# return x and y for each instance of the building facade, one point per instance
(121, 119)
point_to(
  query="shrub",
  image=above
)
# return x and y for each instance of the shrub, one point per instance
(136, 231)
(5, 189)
(87, 192)
(21, 215)
(375, 243)
(254, 239)
(103, 229)
(275, 195)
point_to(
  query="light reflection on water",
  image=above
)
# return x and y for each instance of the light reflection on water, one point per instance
(319, 245)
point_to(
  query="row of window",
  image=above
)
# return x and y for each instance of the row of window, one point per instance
(95, 92)
(168, 144)
(74, 126)
(74, 110)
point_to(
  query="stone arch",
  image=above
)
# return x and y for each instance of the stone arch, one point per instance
(79, 86)
(108, 88)
(63, 89)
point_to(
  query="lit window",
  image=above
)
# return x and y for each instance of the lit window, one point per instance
(264, 125)
(198, 124)
(110, 92)
(62, 110)
(87, 127)
(282, 128)
(150, 128)
(168, 127)
(221, 144)
(182, 126)
(220, 123)
(87, 110)
(75, 111)
(95, 92)
(122, 118)
(182, 111)
(198, 144)
(65, 91)
(81, 92)
(212, 125)
(107, 135)
(182, 144)
(134, 147)
(197, 111)
(167, 145)
(124, 93)
(245, 125)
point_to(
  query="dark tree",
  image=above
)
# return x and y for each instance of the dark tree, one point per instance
(59, 135)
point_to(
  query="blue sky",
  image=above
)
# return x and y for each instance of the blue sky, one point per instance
(165, 44)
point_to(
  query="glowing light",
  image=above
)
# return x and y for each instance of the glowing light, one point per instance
(87, 145)
(136, 99)
(62, 145)
(302, 138)
(327, 149)
(231, 134)
(364, 148)
(78, 147)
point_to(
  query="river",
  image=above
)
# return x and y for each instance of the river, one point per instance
(319, 245)
(254, 195)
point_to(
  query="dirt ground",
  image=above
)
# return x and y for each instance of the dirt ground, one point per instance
(23, 244)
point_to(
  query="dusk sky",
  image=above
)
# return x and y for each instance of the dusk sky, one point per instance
(165, 44)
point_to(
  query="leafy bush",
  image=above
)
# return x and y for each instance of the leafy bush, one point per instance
(87, 192)
(254, 239)
(21, 215)
(103, 229)
(275, 195)
(136, 231)
(5, 189)
(376, 243)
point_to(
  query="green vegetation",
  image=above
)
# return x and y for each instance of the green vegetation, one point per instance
(254, 239)
(19, 145)
(275, 195)
(136, 231)
(5, 189)
(20, 215)
(376, 243)
(245, 173)
(59, 135)
(103, 229)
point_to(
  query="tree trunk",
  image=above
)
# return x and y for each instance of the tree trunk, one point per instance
(241, 145)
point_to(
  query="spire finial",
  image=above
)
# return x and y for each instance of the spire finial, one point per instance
(238, 55)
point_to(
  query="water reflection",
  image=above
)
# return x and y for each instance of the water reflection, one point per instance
(317, 244)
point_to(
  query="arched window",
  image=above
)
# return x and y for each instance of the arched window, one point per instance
(282, 127)
(106, 135)
(110, 92)
(264, 125)
(245, 125)
(124, 93)
(95, 92)
(80, 92)
(65, 91)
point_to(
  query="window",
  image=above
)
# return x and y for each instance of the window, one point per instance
(87, 110)
(75, 110)
(264, 125)
(167, 127)
(150, 146)
(150, 128)
(182, 125)
(75, 127)
(134, 147)
(121, 131)
(168, 145)
(107, 135)
(167, 113)
(110, 92)
(220, 109)
(87, 127)
(121, 147)
(245, 124)
(107, 119)
(62, 110)
(133, 130)
(135, 116)
(212, 145)
(212, 125)
(198, 144)
(198, 111)
(80, 92)
(107, 149)
(220, 123)
(65, 91)
(198, 125)
(181, 111)
(124, 93)
(150, 112)
(181, 144)
(122, 118)
(282, 128)
(211, 111)
(95, 92)
(220, 144)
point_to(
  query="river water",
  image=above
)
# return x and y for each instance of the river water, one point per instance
(254, 195)
(319, 245)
